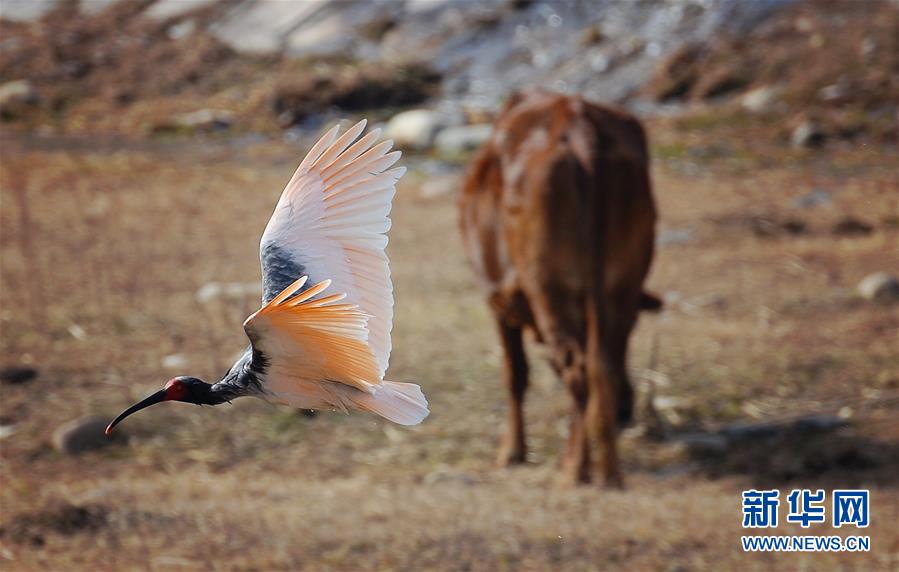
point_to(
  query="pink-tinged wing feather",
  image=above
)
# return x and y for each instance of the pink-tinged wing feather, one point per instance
(308, 338)
(332, 220)
(318, 355)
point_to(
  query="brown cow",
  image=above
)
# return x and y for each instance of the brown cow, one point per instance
(558, 221)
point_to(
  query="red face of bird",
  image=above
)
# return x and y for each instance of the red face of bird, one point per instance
(182, 388)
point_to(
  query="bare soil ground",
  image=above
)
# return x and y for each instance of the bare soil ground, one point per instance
(104, 247)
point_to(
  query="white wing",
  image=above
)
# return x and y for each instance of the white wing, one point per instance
(331, 224)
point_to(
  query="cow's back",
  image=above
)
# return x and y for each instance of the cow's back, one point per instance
(558, 201)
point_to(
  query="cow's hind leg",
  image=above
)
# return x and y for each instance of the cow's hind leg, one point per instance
(515, 376)
(576, 464)
(566, 360)
(604, 399)
(601, 412)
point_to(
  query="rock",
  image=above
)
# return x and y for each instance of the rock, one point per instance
(231, 291)
(807, 135)
(14, 375)
(879, 287)
(204, 120)
(834, 93)
(7, 431)
(850, 226)
(454, 140)
(82, 435)
(668, 409)
(669, 236)
(175, 361)
(26, 10)
(352, 88)
(474, 113)
(414, 129)
(344, 29)
(96, 6)
(181, 29)
(169, 9)
(760, 99)
(16, 97)
(77, 332)
(262, 26)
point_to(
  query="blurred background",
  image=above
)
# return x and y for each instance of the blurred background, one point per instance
(143, 145)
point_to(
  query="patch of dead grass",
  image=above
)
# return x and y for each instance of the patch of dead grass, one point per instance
(121, 240)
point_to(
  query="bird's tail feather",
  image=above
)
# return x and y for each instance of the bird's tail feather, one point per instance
(402, 403)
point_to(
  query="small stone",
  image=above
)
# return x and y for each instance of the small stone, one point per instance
(833, 93)
(7, 431)
(205, 120)
(16, 96)
(670, 236)
(453, 140)
(760, 99)
(14, 375)
(77, 332)
(82, 435)
(181, 29)
(879, 287)
(807, 135)
(414, 129)
(175, 361)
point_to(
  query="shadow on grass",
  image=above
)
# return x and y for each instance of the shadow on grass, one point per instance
(823, 448)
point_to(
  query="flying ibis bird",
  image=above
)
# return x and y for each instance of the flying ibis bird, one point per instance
(321, 339)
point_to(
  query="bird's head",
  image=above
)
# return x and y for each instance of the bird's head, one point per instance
(181, 388)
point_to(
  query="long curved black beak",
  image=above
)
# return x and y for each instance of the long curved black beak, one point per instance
(157, 397)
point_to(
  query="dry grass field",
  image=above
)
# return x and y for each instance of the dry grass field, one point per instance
(104, 246)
